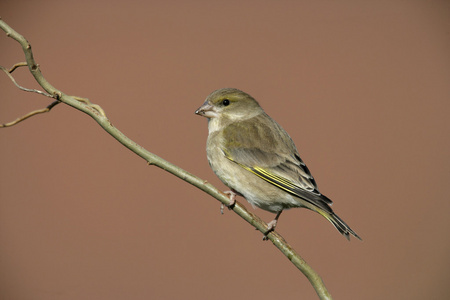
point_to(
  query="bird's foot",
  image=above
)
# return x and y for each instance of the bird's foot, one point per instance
(232, 196)
(270, 227)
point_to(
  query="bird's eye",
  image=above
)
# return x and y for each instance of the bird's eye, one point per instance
(226, 102)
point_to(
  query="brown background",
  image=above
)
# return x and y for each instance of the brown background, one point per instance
(362, 87)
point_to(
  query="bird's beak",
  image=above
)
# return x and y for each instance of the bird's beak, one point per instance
(207, 110)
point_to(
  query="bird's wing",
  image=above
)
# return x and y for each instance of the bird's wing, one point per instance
(262, 147)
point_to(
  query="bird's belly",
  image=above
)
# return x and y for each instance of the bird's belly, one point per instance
(256, 190)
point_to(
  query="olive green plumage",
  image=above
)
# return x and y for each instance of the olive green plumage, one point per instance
(257, 159)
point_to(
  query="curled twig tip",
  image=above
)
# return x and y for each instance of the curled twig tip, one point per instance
(17, 65)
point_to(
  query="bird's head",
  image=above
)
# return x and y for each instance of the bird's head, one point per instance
(229, 104)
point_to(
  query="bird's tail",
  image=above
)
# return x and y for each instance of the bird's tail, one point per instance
(337, 222)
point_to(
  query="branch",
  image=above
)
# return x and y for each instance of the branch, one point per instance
(8, 72)
(30, 114)
(99, 116)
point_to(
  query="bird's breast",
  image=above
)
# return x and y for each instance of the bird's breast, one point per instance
(257, 191)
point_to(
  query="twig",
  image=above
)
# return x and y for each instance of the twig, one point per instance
(95, 106)
(21, 64)
(99, 116)
(50, 106)
(33, 113)
(8, 72)
(30, 114)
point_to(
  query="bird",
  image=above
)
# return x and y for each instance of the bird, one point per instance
(257, 159)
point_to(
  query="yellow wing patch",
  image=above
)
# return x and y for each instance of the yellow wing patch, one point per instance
(276, 180)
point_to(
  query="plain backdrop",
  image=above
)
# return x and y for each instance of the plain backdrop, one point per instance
(362, 87)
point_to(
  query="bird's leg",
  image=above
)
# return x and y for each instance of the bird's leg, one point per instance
(232, 196)
(271, 225)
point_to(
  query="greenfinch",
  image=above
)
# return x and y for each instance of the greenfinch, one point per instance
(256, 158)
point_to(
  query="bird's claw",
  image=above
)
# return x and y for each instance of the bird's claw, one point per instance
(232, 196)
(270, 227)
